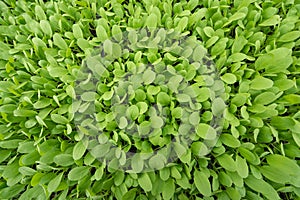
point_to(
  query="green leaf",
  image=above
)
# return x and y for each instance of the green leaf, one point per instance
(265, 98)
(237, 57)
(64, 160)
(30, 159)
(143, 107)
(39, 43)
(57, 71)
(229, 140)
(11, 171)
(79, 150)
(145, 182)
(233, 193)
(77, 32)
(89, 96)
(70, 91)
(101, 33)
(202, 183)
(209, 31)
(27, 171)
(275, 61)
(78, 173)
(83, 44)
(153, 90)
(219, 47)
(199, 149)
(170, 57)
(54, 183)
(296, 137)
(292, 98)
(144, 128)
(108, 47)
(164, 173)
(5, 86)
(182, 24)
(261, 83)
(149, 76)
(39, 12)
(275, 175)
(4, 154)
(59, 41)
(179, 149)
(163, 98)
(119, 178)
(12, 191)
(117, 50)
(35, 180)
(242, 167)
(123, 123)
(116, 33)
(261, 186)
(272, 21)
(237, 16)
(240, 99)
(157, 161)
(24, 113)
(10, 144)
(227, 162)
(156, 122)
(203, 94)
(199, 53)
(26, 147)
(285, 164)
(132, 36)
(282, 123)
(289, 37)
(107, 95)
(42, 103)
(205, 131)
(191, 5)
(194, 118)
(177, 113)
(168, 189)
(182, 98)
(36, 192)
(101, 150)
(40, 121)
(239, 44)
(99, 173)
(140, 95)
(247, 154)
(46, 28)
(218, 106)
(151, 21)
(225, 179)
(175, 173)
(137, 163)
(133, 112)
(8, 108)
(130, 195)
(59, 119)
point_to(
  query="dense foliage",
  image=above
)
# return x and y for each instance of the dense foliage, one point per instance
(149, 99)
